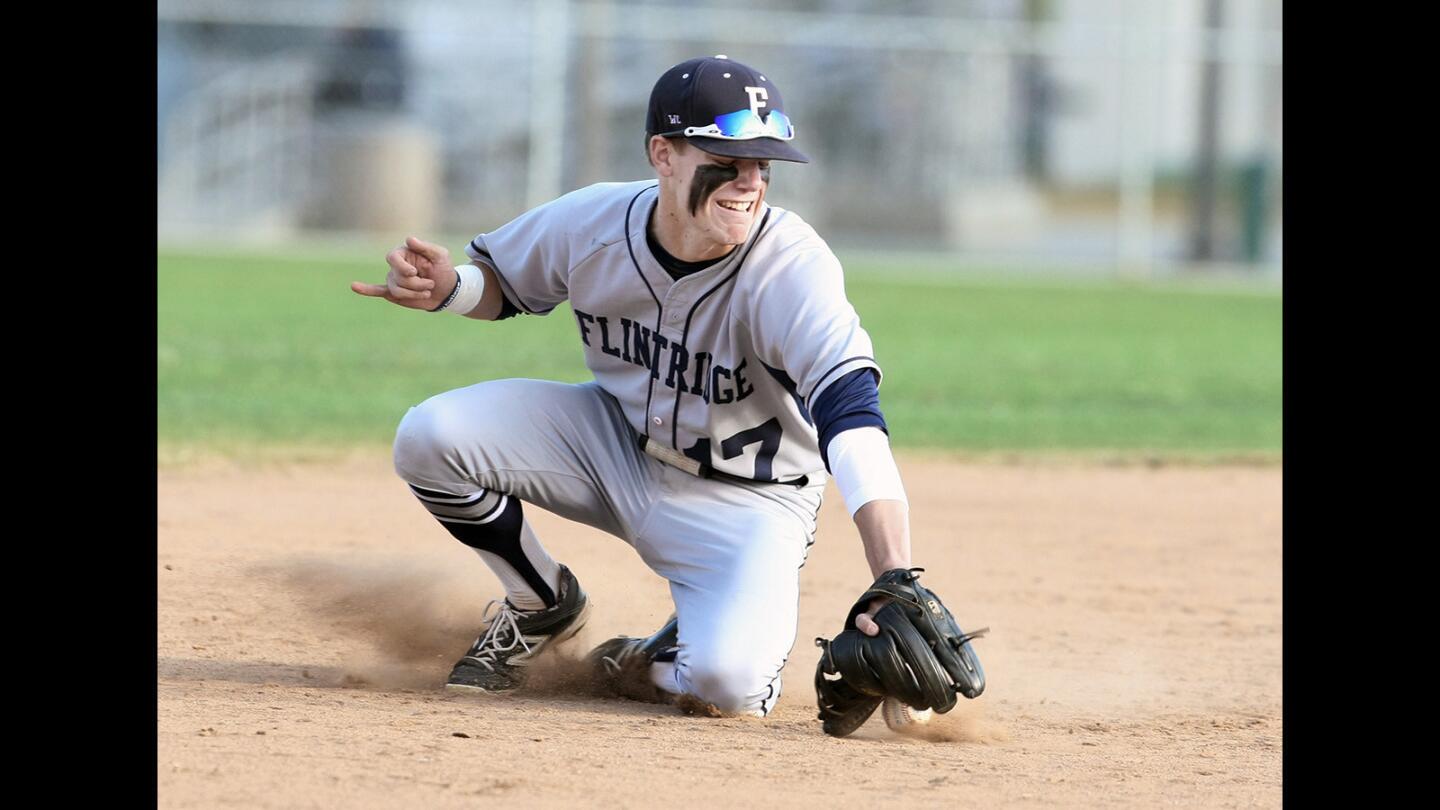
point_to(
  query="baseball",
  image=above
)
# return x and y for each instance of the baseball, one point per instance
(898, 716)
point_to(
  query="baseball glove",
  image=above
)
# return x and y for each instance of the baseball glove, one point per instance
(920, 656)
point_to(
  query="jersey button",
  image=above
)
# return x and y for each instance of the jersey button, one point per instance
(657, 420)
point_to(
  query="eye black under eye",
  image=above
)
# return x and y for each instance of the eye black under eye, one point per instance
(764, 165)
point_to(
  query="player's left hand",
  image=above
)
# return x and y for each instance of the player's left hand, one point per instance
(900, 642)
(866, 621)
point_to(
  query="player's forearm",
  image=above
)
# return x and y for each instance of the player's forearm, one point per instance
(869, 481)
(885, 530)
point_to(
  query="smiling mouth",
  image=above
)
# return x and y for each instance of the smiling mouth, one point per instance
(731, 205)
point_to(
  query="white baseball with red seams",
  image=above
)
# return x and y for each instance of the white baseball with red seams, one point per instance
(900, 716)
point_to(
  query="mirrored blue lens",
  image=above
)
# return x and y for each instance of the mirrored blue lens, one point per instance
(736, 124)
(780, 123)
(744, 123)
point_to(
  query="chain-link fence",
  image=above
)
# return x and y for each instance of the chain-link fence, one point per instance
(1124, 135)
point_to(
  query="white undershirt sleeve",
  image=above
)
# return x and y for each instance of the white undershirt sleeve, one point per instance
(864, 468)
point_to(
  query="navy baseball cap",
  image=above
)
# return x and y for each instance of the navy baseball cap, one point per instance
(724, 108)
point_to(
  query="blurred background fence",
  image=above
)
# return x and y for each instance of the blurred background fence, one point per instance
(1123, 136)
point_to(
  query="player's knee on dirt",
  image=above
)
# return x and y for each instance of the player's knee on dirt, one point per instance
(731, 683)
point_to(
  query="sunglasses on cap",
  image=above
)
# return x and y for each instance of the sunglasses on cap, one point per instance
(744, 125)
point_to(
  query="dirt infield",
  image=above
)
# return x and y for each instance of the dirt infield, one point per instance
(307, 615)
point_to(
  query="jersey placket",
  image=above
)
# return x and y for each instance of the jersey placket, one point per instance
(675, 305)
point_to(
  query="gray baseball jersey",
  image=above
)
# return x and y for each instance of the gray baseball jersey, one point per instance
(719, 368)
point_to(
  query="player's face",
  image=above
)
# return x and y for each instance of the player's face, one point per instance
(720, 197)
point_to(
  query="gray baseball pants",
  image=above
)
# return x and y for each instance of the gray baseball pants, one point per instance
(731, 552)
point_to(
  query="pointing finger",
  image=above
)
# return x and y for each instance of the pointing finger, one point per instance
(372, 290)
(867, 625)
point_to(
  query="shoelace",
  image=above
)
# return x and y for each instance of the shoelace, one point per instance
(505, 623)
(614, 664)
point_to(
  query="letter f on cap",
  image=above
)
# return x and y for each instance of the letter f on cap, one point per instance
(758, 95)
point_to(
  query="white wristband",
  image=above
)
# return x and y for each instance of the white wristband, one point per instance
(469, 286)
(864, 468)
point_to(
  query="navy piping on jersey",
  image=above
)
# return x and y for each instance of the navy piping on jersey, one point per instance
(508, 308)
(674, 268)
(685, 333)
(650, 392)
(789, 386)
(833, 369)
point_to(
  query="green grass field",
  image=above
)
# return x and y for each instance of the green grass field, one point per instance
(268, 355)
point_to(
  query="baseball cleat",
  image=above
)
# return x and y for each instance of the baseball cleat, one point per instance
(621, 666)
(496, 661)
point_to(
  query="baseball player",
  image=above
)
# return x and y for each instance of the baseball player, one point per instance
(730, 374)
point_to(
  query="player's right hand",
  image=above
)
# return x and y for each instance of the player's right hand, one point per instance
(420, 276)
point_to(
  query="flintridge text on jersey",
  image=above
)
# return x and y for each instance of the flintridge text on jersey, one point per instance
(691, 372)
